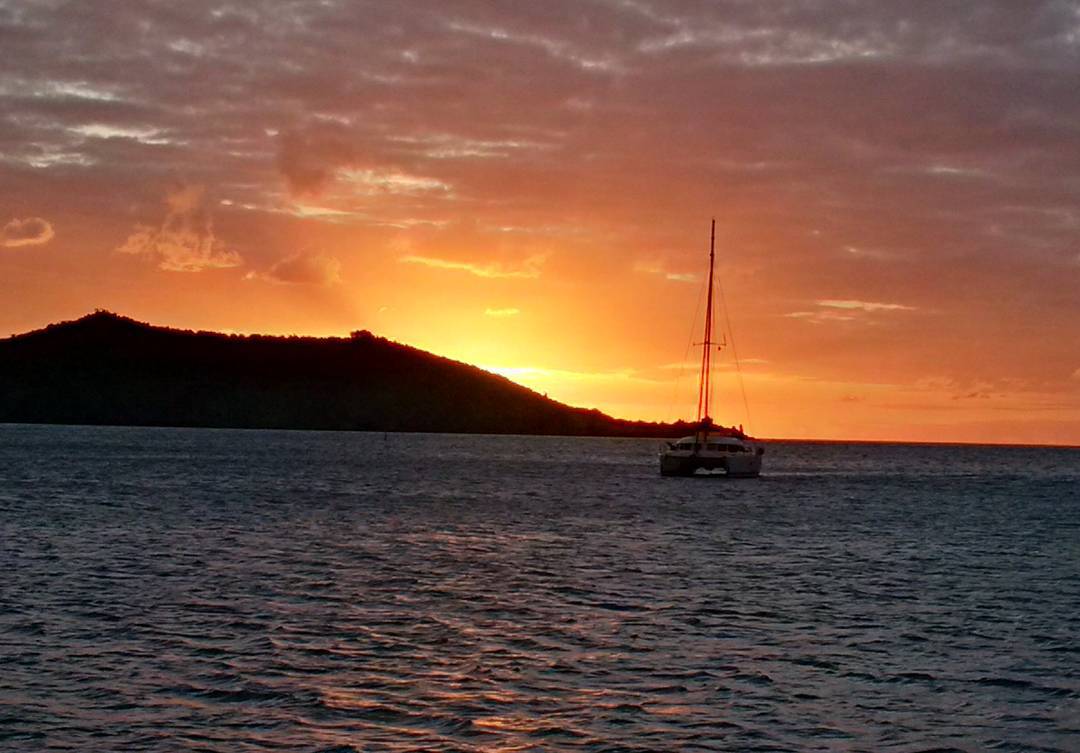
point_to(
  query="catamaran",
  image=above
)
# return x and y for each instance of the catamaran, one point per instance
(711, 447)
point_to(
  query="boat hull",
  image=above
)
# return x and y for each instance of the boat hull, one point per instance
(746, 465)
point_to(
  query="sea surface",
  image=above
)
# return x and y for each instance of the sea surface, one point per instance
(172, 590)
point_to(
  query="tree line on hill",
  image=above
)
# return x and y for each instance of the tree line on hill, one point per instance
(108, 369)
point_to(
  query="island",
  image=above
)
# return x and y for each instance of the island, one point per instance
(107, 369)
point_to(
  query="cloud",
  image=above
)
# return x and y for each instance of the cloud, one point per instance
(501, 313)
(310, 161)
(845, 310)
(185, 241)
(657, 268)
(849, 305)
(303, 269)
(820, 317)
(31, 231)
(528, 269)
(390, 181)
(313, 160)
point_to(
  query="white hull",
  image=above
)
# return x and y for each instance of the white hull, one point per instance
(738, 458)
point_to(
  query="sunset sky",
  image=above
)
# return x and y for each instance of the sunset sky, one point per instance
(527, 186)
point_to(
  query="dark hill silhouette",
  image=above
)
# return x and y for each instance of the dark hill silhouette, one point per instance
(108, 369)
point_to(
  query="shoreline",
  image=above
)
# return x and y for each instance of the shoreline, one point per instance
(767, 440)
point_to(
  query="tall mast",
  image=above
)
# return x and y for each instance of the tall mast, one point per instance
(706, 346)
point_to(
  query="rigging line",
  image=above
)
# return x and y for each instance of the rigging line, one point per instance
(712, 368)
(735, 354)
(686, 353)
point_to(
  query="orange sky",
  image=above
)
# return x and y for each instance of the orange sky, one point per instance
(528, 187)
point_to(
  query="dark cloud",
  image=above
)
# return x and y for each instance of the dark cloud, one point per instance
(31, 231)
(303, 269)
(308, 161)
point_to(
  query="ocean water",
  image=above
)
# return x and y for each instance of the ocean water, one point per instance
(169, 590)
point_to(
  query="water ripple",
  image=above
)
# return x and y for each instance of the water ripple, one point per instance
(222, 591)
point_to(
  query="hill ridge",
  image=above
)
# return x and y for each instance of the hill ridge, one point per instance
(107, 368)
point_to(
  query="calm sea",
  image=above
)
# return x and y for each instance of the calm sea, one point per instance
(167, 590)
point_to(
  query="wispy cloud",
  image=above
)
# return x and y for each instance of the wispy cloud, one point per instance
(185, 240)
(312, 160)
(528, 269)
(449, 146)
(658, 268)
(31, 231)
(556, 48)
(852, 305)
(370, 181)
(501, 313)
(145, 135)
(821, 317)
(846, 310)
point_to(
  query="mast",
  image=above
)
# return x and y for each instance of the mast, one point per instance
(706, 346)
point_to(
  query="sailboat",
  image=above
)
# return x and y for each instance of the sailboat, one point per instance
(711, 447)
